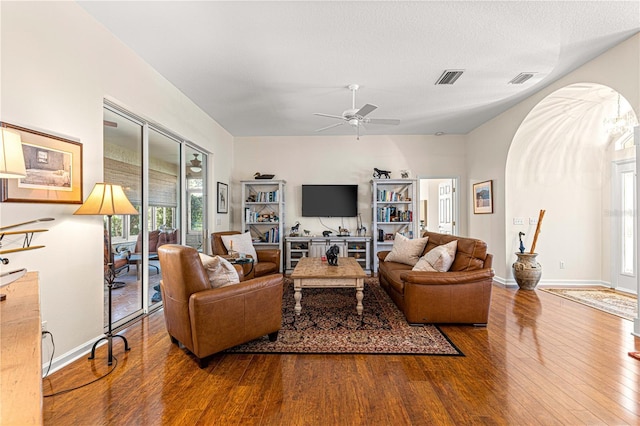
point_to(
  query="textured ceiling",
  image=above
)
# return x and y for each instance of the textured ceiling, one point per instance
(263, 68)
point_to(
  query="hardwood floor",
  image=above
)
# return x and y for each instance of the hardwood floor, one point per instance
(543, 360)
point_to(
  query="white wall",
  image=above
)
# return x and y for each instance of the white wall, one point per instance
(488, 148)
(341, 160)
(58, 64)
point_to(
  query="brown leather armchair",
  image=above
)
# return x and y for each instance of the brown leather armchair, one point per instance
(209, 320)
(268, 260)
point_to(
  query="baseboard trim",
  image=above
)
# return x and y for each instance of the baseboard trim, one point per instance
(71, 356)
(511, 283)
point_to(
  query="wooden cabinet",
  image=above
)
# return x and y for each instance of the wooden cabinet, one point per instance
(358, 248)
(263, 212)
(21, 353)
(395, 203)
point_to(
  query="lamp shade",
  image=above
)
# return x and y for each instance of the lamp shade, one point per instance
(11, 156)
(106, 200)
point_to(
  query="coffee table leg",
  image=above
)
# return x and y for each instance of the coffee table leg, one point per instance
(297, 295)
(359, 295)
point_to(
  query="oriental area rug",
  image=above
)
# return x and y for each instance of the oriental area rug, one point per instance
(607, 300)
(329, 324)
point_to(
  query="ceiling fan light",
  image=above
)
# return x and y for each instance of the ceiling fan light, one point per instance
(354, 122)
(196, 164)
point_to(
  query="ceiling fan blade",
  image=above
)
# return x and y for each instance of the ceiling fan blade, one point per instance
(329, 127)
(328, 115)
(367, 109)
(392, 121)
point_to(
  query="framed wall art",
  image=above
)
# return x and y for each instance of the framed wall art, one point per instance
(223, 198)
(483, 197)
(54, 170)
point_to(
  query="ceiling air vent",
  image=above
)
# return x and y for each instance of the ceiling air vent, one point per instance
(449, 77)
(522, 77)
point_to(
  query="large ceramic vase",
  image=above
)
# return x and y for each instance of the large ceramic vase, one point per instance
(527, 271)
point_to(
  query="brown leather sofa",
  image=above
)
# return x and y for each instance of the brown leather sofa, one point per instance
(460, 296)
(209, 320)
(268, 260)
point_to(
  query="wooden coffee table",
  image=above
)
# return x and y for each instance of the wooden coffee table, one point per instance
(313, 272)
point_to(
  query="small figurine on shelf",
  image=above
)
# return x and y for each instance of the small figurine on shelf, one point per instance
(332, 255)
(381, 174)
(258, 175)
(343, 232)
(307, 232)
(294, 230)
(520, 235)
(326, 233)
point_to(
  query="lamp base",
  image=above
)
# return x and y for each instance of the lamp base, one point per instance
(109, 338)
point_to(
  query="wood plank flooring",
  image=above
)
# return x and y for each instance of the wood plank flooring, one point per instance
(543, 360)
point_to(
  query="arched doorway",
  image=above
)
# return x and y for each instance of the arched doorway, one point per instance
(561, 160)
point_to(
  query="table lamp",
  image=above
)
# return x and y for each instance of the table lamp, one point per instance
(106, 200)
(11, 155)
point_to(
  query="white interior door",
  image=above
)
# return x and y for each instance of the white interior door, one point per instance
(438, 204)
(624, 264)
(445, 207)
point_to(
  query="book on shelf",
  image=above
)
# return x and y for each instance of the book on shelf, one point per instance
(392, 214)
(268, 196)
(384, 195)
(272, 235)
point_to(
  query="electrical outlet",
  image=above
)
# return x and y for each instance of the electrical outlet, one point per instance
(44, 326)
(533, 221)
(518, 221)
(562, 264)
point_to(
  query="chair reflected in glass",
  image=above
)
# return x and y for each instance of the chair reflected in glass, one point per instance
(119, 264)
(157, 238)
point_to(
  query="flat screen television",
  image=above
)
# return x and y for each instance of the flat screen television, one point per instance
(329, 200)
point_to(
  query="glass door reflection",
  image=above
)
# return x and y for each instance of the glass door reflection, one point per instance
(163, 211)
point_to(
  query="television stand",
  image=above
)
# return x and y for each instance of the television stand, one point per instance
(358, 248)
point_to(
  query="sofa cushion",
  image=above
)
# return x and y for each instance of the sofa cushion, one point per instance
(406, 250)
(221, 273)
(438, 259)
(241, 243)
(470, 254)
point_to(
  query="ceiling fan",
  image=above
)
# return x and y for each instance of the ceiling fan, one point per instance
(357, 117)
(195, 165)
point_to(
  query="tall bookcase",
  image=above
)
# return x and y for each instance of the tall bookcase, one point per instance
(263, 213)
(395, 210)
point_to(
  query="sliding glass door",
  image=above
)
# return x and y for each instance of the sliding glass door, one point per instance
(122, 148)
(196, 199)
(163, 207)
(166, 178)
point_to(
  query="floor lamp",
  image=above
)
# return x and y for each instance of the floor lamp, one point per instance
(106, 200)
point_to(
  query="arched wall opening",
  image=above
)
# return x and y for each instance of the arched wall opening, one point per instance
(560, 161)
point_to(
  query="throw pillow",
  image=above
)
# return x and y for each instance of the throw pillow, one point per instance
(438, 259)
(406, 250)
(221, 273)
(241, 243)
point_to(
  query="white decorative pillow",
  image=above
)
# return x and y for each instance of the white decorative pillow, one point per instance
(406, 250)
(241, 243)
(438, 259)
(221, 273)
